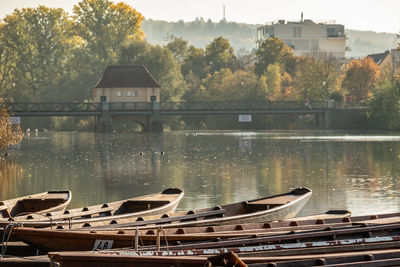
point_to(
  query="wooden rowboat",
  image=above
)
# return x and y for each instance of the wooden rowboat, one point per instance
(257, 246)
(271, 208)
(152, 204)
(38, 204)
(70, 240)
(88, 238)
(364, 257)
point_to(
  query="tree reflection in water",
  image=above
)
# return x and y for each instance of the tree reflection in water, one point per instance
(11, 178)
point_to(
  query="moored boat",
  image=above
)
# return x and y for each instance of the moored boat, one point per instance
(158, 203)
(89, 238)
(271, 208)
(336, 257)
(39, 204)
(69, 240)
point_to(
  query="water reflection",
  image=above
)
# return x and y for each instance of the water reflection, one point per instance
(11, 178)
(357, 172)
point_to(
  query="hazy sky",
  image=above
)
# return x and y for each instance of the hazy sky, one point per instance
(376, 15)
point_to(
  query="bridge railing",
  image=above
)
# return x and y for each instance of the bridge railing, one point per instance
(172, 106)
(53, 107)
(241, 105)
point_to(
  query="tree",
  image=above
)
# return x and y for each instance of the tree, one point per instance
(273, 80)
(161, 64)
(131, 50)
(6, 62)
(272, 50)
(178, 47)
(9, 134)
(228, 86)
(361, 78)
(35, 46)
(245, 59)
(316, 79)
(384, 107)
(194, 62)
(219, 54)
(104, 26)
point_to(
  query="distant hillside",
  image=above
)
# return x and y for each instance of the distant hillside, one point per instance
(367, 42)
(200, 33)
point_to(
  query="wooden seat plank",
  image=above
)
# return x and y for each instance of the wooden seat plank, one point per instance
(142, 202)
(3, 207)
(81, 213)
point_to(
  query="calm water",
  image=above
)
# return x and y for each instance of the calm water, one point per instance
(359, 172)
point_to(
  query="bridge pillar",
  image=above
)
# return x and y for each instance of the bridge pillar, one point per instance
(330, 105)
(154, 121)
(104, 121)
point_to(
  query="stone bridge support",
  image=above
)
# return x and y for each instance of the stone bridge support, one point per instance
(151, 122)
(104, 121)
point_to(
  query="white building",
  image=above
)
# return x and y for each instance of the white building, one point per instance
(307, 38)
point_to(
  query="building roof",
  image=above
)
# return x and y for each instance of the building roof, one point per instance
(380, 57)
(126, 76)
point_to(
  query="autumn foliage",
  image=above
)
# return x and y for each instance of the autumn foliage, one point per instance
(9, 134)
(361, 78)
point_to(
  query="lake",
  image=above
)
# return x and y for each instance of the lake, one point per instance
(358, 171)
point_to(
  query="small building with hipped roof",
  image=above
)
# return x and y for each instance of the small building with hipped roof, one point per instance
(126, 83)
(131, 89)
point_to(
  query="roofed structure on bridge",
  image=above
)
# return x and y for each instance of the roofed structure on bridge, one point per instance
(127, 83)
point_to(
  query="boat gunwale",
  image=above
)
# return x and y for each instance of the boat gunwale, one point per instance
(50, 223)
(60, 207)
(214, 221)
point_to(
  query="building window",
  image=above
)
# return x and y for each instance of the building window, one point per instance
(119, 93)
(302, 44)
(331, 32)
(314, 45)
(128, 93)
(297, 32)
(135, 93)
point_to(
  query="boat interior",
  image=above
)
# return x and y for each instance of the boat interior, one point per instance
(33, 204)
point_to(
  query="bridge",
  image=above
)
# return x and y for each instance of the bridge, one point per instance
(150, 114)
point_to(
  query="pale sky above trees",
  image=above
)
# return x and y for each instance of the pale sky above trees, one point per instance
(379, 16)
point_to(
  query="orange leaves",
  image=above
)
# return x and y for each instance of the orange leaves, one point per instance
(361, 78)
(9, 134)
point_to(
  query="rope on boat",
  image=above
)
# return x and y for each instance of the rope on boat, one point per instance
(4, 242)
(165, 237)
(136, 240)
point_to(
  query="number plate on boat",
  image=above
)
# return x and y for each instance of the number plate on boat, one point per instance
(103, 244)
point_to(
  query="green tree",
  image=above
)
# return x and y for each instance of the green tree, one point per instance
(384, 107)
(35, 46)
(316, 79)
(161, 64)
(273, 79)
(178, 47)
(6, 62)
(361, 78)
(104, 26)
(219, 54)
(131, 50)
(272, 50)
(101, 28)
(228, 86)
(194, 62)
